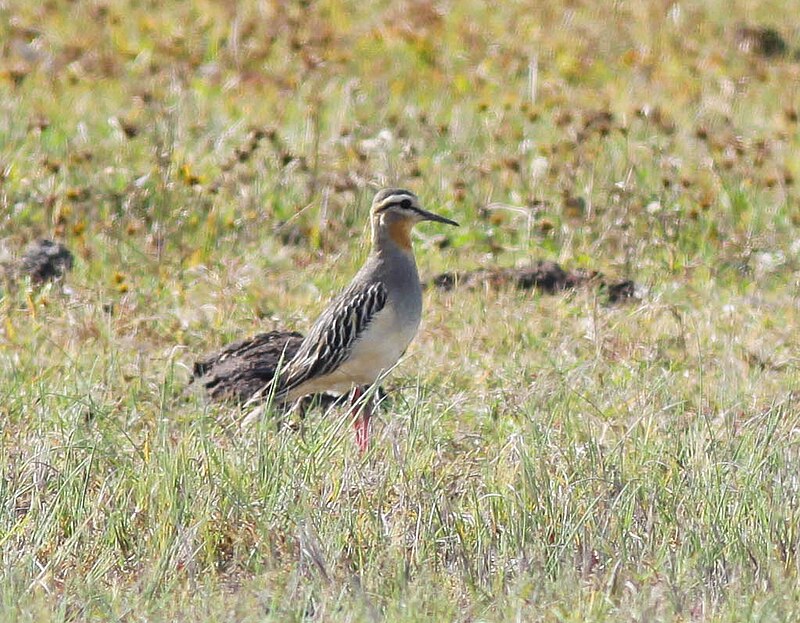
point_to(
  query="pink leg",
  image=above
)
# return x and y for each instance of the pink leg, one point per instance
(361, 421)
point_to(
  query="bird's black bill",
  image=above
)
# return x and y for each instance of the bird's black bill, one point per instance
(430, 216)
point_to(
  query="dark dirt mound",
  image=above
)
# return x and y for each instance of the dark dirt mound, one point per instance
(43, 260)
(620, 291)
(761, 40)
(546, 276)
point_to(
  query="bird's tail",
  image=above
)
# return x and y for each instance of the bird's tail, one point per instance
(275, 391)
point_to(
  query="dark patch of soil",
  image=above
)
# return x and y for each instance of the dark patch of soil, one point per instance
(45, 260)
(547, 276)
(761, 40)
(621, 291)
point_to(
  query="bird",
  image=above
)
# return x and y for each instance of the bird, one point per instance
(364, 331)
(238, 372)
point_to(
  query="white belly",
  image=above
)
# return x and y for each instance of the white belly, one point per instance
(381, 346)
(375, 352)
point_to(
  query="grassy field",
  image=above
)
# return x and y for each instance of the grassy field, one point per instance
(541, 458)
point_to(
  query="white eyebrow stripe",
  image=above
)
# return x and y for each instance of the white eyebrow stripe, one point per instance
(398, 198)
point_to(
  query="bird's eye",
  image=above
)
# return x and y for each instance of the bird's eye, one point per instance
(405, 204)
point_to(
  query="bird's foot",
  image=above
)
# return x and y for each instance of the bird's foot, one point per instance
(362, 409)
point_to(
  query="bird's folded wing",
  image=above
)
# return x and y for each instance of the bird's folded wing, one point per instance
(331, 339)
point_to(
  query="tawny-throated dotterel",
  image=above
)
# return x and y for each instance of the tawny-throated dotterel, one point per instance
(366, 329)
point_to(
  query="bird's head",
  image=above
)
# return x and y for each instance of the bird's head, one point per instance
(395, 212)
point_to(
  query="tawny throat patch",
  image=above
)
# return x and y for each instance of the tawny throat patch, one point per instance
(400, 233)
